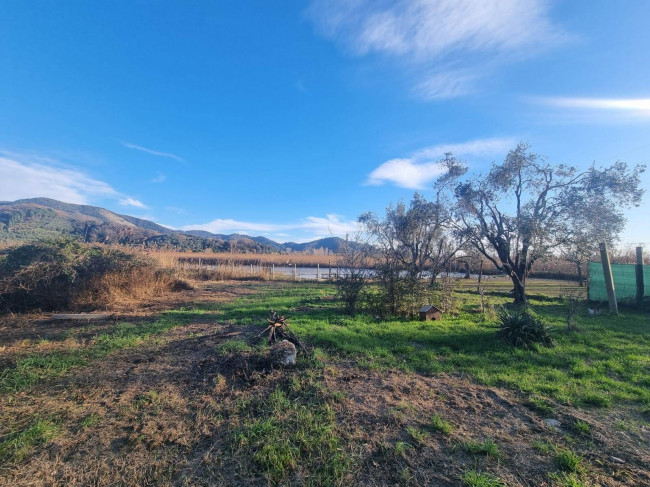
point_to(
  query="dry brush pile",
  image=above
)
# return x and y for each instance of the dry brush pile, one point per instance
(75, 276)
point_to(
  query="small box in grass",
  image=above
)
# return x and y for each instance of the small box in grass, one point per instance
(430, 312)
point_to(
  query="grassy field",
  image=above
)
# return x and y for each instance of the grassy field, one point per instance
(607, 361)
(182, 394)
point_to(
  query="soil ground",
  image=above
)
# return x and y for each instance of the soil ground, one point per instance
(194, 402)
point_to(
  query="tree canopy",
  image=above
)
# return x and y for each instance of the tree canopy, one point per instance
(525, 208)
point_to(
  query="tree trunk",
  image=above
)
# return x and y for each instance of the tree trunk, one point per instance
(519, 288)
(580, 279)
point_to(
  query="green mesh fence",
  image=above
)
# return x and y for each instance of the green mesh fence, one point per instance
(624, 282)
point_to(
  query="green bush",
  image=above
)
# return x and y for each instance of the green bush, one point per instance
(522, 329)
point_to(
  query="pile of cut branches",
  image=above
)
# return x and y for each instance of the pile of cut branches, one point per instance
(280, 330)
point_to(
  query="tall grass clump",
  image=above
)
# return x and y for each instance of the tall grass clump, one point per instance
(523, 329)
(75, 276)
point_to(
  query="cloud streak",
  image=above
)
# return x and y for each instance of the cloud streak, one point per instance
(32, 176)
(132, 202)
(24, 180)
(169, 155)
(448, 44)
(639, 105)
(420, 169)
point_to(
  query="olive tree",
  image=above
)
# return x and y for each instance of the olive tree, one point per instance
(590, 222)
(411, 241)
(521, 209)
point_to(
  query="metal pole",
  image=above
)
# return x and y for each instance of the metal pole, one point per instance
(609, 280)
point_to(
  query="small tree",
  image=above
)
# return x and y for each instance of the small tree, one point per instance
(520, 211)
(355, 259)
(411, 241)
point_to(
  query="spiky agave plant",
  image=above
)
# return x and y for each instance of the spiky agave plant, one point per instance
(522, 329)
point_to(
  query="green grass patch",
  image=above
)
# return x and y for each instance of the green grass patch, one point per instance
(401, 447)
(568, 461)
(473, 478)
(486, 447)
(292, 433)
(90, 421)
(563, 479)
(581, 428)
(417, 434)
(441, 425)
(232, 346)
(603, 364)
(17, 446)
(30, 370)
(540, 405)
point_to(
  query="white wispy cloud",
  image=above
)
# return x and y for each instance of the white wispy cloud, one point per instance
(312, 226)
(449, 84)
(28, 180)
(152, 152)
(420, 169)
(449, 44)
(639, 105)
(31, 176)
(132, 202)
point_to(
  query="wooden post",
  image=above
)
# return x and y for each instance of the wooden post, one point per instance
(295, 272)
(272, 271)
(609, 280)
(318, 272)
(640, 288)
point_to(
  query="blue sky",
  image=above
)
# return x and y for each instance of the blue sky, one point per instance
(289, 119)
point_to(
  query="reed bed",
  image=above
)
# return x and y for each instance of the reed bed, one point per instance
(169, 259)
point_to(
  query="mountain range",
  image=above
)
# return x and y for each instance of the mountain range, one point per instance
(34, 219)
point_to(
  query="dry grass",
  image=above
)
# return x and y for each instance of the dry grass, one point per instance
(126, 287)
(172, 259)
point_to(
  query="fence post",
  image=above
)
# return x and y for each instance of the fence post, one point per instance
(295, 272)
(318, 272)
(640, 288)
(272, 271)
(609, 280)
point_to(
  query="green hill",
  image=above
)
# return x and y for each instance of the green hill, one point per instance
(38, 219)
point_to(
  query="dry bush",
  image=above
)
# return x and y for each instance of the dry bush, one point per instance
(74, 276)
(136, 284)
